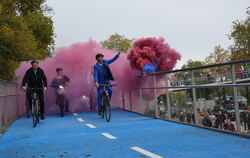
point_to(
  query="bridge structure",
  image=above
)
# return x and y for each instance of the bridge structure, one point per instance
(165, 127)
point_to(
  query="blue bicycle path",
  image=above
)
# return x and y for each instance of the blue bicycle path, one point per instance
(67, 137)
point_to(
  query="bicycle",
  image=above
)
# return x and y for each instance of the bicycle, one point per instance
(35, 105)
(106, 108)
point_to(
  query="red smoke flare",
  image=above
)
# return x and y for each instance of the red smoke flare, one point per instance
(153, 51)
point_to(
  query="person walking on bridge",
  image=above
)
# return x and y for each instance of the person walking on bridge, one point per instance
(103, 75)
(35, 78)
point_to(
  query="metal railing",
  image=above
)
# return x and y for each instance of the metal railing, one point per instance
(222, 114)
(11, 104)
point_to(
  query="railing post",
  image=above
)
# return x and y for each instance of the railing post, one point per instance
(140, 101)
(16, 101)
(236, 104)
(167, 95)
(5, 106)
(123, 101)
(196, 115)
(155, 92)
(130, 100)
(1, 108)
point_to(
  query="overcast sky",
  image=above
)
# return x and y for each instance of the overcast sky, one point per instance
(192, 27)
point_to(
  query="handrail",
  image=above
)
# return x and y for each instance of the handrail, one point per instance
(200, 86)
(8, 82)
(200, 67)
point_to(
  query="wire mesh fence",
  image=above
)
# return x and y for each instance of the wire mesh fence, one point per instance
(12, 104)
(214, 96)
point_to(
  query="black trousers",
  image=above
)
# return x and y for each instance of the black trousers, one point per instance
(40, 97)
(66, 101)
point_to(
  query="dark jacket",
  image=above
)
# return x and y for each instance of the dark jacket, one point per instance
(33, 80)
(98, 71)
(59, 80)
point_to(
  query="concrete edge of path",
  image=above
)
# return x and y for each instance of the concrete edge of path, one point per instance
(199, 126)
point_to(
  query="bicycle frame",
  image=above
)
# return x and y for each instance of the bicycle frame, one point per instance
(105, 91)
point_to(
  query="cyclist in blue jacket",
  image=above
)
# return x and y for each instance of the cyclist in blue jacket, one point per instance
(103, 75)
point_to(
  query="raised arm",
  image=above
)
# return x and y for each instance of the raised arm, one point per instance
(114, 58)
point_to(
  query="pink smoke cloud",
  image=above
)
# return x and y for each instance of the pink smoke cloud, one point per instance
(153, 51)
(77, 62)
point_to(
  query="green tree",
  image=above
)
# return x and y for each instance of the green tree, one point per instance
(43, 31)
(190, 64)
(219, 55)
(187, 76)
(26, 32)
(16, 44)
(240, 35)
(117, 42)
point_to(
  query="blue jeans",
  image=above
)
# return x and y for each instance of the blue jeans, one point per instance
(99, 98)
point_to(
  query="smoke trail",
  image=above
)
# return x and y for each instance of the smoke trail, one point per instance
(77, 62)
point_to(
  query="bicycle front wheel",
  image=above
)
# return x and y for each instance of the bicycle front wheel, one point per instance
(33, 110)
(103, 106)
(107, 110)
(37, 112)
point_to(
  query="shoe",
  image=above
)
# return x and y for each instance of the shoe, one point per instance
(42, 117)
(100, 113)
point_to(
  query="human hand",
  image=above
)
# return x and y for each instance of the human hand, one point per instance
(97, 84)
(24, 88)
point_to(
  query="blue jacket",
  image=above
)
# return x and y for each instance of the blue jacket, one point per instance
(98, 73)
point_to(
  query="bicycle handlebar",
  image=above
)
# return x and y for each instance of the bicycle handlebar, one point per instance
(32, 89)
(107, 85)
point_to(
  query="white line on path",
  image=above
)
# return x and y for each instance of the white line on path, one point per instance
(75, 114)
(90, 125)
(80, 119)
(145, 152)
(109, 136)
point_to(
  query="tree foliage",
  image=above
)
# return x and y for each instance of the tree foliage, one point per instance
(240, 35)
(25, 33)
(117, 42)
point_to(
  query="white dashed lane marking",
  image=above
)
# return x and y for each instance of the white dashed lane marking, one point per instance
(145, 152)
(90, 125)
(80, 119)
(109, 136)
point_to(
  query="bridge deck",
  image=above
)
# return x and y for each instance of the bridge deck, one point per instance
(70, 137)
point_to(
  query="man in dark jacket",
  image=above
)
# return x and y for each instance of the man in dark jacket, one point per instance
(103, 75)
(35, 78)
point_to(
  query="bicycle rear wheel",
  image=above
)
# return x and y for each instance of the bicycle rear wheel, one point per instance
(107, 110)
